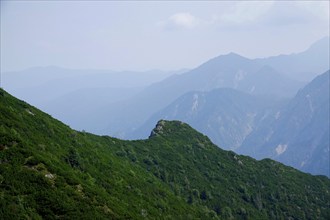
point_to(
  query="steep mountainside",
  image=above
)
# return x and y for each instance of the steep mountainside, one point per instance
(49, 171)
(227, 116)
(298, 135)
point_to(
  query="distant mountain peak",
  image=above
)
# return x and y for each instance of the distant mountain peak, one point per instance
(320, 45)
(226, 61)
(228, 58)
(233, 55)
(321, 42)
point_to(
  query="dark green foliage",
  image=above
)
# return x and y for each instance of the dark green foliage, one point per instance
(49, 171)
(73, 159)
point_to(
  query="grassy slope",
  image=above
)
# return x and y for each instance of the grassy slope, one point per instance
(49, 171)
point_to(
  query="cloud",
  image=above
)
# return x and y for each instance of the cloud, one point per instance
(252, 16)
(258, 14)
(243, 13)
(182, 20)
(319, 9)
(292, 13)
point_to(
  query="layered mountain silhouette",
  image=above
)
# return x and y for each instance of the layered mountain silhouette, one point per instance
(302, 66)
(48, 170)
(226, 71)
(262, 77)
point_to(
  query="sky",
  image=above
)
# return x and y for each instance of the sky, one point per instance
(144, 35)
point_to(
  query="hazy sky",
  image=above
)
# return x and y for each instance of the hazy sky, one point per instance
(134, 35)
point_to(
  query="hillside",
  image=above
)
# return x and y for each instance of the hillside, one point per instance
(298, 134)
(51, 171)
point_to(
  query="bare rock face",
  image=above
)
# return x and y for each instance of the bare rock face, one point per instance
(158, 129)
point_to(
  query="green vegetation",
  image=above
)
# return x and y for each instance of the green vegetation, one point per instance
(50, 171)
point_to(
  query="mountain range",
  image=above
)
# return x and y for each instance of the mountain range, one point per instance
(302, 66)
(293, 131)
(253, 76)
(227, 71)
(250, 106)
(49, 171)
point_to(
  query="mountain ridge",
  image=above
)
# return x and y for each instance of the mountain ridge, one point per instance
(304, 65)
(248, 124)
(51, 171)
(210, 111)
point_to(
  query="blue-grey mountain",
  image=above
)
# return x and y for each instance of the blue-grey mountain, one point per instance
(298, 134)
(226, 71)
(303, 66)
